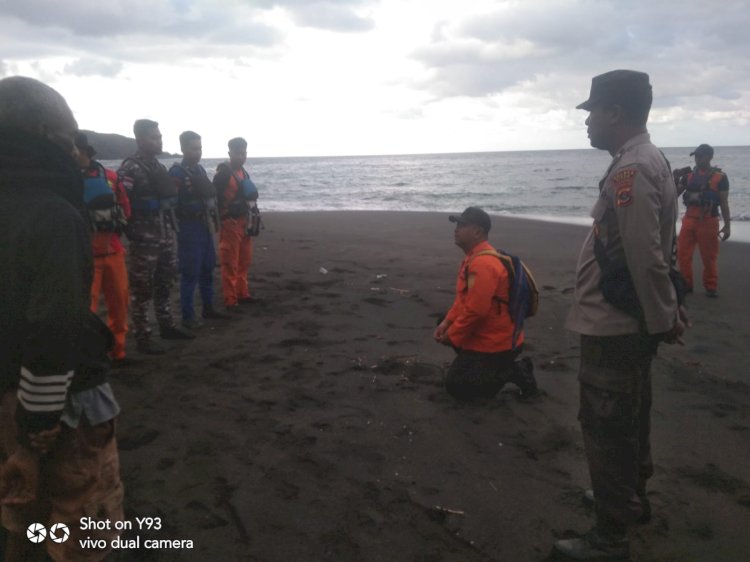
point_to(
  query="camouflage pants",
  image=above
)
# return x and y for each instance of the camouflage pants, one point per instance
(615, 416)
(152, 271)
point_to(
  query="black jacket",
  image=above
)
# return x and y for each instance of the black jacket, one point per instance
(46, 330)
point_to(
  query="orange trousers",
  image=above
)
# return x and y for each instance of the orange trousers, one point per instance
(236, 255)
(703, 232)
(111, 278)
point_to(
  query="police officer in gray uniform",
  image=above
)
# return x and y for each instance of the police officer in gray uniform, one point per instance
(153, 259)
(625, 304)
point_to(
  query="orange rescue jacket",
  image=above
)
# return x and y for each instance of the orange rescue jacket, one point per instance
(479, 321)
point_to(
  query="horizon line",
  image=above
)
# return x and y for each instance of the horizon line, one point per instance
(381, 155)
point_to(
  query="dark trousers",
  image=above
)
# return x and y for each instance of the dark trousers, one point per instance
(615, 416)
(197, 259)
(474, 374)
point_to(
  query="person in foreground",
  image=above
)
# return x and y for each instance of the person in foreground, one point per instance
(704, 190)
(479, 325)
(57, 411)
(625, 303)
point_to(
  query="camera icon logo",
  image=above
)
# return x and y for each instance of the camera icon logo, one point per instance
(59, 532)
(36, 533)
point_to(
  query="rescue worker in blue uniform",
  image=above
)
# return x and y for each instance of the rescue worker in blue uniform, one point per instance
(198, 219)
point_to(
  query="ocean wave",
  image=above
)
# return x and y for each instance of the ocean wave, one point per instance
(570, 187)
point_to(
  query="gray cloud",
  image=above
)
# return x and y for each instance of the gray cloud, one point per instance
(94, 67)
(127, 29)
(80, 17)
(331, 15)
(121, 31)
(690, 48)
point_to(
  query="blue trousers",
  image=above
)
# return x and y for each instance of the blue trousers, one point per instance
(197, 260)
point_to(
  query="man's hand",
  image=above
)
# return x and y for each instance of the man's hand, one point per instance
(725, 231)
(680, 172)
(19, 479)
(681, 323)
(440, 334)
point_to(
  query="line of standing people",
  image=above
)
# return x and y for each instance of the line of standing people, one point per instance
(169, 218)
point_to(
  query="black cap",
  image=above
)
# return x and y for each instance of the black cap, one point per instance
(704, 149)
(473, 215)
(628, 88)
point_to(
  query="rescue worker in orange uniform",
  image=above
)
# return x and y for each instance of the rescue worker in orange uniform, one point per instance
(237, 195)
(478, 325)
(107, 220)
(705, 191)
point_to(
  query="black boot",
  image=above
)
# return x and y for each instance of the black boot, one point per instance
(211, 313)
(149, 347)
(645, 517)
(523, 378)
(173, 333)
(595, 545)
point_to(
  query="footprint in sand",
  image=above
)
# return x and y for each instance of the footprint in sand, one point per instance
(136, 438)
(295, 342)
(165, 463)
(287, 490)
(711, 477)
(376, 301)
(205, 518)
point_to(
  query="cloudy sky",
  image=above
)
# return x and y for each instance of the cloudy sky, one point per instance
(335, 77)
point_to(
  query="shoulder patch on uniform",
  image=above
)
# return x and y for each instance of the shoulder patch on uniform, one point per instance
(623, 183)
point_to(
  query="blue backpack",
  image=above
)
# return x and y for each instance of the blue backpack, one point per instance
(105, 213)
(523, 294)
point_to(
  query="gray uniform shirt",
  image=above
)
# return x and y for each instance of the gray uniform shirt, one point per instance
(635, 217)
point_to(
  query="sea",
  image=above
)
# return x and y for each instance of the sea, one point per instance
(556, 185)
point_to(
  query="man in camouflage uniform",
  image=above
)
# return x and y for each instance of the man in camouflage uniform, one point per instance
(153, 259)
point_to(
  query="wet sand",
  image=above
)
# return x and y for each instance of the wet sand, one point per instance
(315, 427)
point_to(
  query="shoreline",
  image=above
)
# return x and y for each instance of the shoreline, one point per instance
(740, 228)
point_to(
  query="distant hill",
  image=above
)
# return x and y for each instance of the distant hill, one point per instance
(113, 147)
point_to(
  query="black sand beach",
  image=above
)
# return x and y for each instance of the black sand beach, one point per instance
(314, 427)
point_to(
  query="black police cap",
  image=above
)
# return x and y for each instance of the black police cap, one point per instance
(628, 88)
